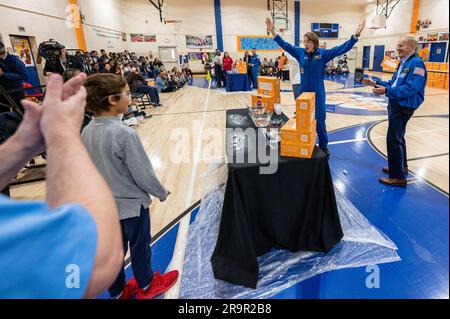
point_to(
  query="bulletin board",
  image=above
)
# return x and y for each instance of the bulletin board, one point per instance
(260, 43)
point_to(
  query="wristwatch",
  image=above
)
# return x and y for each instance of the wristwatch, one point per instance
(356, 36)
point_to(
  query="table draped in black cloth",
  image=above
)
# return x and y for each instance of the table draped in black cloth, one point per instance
(293, 209)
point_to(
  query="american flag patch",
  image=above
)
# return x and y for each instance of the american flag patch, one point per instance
(419, 71)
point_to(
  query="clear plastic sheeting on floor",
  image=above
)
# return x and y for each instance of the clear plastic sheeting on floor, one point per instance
(362, 245)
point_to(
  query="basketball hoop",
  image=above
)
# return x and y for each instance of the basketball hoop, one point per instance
(176, 24)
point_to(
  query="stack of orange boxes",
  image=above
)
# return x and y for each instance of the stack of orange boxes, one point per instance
(269, 86)
(241, 67)
(437, 75)
(298, 136)
(266, 101)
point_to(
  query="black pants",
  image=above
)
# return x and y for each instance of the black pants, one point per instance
(396, 143)
(136, 232)
(250, 76)
(219, 75)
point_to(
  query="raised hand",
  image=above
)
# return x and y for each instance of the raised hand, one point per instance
(63, 108)
(270, 26)
(360, 28)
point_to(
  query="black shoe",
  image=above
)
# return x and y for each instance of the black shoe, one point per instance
(326, 151)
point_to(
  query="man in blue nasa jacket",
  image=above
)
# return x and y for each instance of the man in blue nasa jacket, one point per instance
(313, 61)
(255, 63)
(406, 91)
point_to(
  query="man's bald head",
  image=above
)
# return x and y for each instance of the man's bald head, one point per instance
(407, 45)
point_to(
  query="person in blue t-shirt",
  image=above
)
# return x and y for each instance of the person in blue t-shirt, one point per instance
(69, 246)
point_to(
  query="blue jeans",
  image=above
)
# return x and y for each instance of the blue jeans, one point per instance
(136, 232)
(151, 91)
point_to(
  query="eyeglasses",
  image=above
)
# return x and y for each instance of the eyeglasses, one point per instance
(126, 94)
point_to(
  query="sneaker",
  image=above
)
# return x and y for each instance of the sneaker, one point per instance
(159, 285)
(130, 290)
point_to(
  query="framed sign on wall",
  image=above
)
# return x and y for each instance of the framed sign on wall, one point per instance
(260, 43)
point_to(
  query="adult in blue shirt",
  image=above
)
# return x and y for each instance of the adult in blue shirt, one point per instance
(69, 246)
(313, 61)
(12, 76)
(255, 64)
(406, 92)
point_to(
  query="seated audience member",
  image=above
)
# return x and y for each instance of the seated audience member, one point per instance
(162, 83)
(43, 243)
(94, 56)
(119, 155)
(185, 66)
(95, 69)
(138, 84)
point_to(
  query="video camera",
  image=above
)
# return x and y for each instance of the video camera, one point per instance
(49, 50)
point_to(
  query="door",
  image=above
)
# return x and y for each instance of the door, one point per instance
(437, 52)
(366, 57)
(22, 48)
(378, 57)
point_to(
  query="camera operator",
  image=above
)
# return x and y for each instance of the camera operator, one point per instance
(57, 65)
(12, 75)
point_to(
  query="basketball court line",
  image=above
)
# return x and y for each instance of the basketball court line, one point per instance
(369, 140)
(180, 246)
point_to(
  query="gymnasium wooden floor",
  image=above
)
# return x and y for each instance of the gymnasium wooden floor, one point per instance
(197, 109)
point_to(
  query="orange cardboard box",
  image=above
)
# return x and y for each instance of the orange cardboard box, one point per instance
(263, 100)
(291, 136)
(241, 67)
(305, 110)
(269, 86)
(301, 151)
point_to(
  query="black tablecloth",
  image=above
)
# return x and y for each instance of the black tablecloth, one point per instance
(293, 209)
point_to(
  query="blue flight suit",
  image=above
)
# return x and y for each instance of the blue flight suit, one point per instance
(256, 61)
(406, 92)
(312, 69)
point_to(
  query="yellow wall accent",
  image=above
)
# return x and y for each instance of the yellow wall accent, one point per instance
(415, 16)
(78, 25)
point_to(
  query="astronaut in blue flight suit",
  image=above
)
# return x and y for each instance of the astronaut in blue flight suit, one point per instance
(255, 63)
(406, 91)
(313, 61)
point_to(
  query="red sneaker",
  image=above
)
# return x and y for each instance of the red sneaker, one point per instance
(159, 285)
(130, 290)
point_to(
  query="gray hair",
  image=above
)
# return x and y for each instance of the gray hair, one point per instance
(411, 40)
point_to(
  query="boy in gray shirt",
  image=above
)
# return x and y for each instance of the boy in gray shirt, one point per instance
(119, 155)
